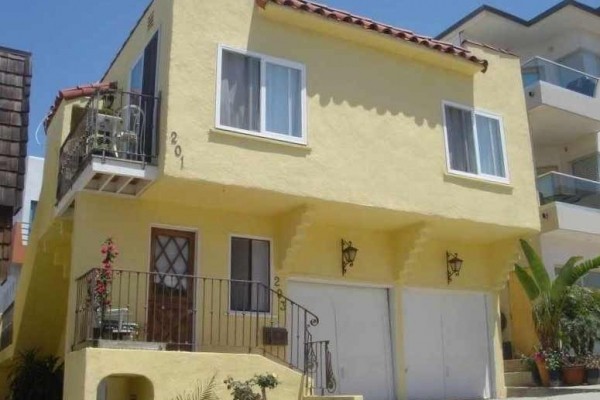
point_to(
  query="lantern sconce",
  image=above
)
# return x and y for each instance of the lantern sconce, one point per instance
(453, 265)
(348, 255)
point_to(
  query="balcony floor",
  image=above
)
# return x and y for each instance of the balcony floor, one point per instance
(110, 175)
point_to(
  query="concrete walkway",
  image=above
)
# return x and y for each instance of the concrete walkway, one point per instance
(575, 396)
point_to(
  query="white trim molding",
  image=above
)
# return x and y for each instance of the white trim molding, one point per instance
(475, 112)
(263, 132)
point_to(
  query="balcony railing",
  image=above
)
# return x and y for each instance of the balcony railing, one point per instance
(162, 311)
(113, 125)
(558, 187)
(540, 69)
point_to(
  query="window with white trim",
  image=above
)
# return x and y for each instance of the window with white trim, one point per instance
(250, 274)
(261, 95)
(474, 143)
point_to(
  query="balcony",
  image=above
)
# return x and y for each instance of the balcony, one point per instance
(169, 312)
(569, 204)
(563, 102)
(112, 148)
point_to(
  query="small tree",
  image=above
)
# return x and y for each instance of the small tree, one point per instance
(548, 297)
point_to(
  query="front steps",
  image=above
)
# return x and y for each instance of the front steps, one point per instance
(519, 383)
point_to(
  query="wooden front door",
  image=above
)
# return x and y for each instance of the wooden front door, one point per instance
(171, 289)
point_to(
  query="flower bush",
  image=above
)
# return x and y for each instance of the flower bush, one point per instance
(99, 282)
(245, 390)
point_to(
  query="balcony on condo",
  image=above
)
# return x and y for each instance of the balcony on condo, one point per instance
(569, 204)
(112, 146)
(563, 102)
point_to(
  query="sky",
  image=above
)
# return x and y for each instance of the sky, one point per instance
(74, 41)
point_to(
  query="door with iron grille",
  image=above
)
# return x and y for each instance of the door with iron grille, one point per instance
(171, 289)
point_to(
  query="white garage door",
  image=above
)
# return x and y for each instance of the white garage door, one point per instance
(356, 320)
(446, 345)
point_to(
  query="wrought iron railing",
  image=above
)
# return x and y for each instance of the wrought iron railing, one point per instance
(318, 367)
(113, 124)
(191, 313)
(559, 187)
(541, 69)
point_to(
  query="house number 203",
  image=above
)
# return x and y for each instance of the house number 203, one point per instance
(177, 150)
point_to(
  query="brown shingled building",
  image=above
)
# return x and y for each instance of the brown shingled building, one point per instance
(15, 88)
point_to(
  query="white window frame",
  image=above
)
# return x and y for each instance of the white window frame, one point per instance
(474, 112)
(271, 273)
(263, 96)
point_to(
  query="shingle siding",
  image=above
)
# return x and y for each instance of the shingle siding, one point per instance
(15, 88)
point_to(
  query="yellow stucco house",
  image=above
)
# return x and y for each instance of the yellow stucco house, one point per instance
(292, 189)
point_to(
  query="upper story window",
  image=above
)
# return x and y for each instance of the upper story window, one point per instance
(474, 143)
(261, 95)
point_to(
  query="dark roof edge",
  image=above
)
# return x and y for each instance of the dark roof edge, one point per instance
(127, 40)
(559, 6)
(15, 51)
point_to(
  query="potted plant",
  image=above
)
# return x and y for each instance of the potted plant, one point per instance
(592, 369)
(245, 390)
(100, 286)
(553, 360)
(573, 370)
(530, 364)
(580, 327)
(548, 297)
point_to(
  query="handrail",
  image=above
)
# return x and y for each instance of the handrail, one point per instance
(195, 313)
(567, 176)
(559, 65)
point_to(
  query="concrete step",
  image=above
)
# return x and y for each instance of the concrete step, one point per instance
(514, 366)
(518, 379)
(593, 392)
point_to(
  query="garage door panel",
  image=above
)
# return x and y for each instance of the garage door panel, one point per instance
(446, 345)
(356, 321)
(467, 352)
(424, 368)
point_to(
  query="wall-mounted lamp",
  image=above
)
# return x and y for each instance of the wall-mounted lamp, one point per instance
(453, 265)
(348, 255)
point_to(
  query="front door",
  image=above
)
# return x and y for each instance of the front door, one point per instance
(171, 288)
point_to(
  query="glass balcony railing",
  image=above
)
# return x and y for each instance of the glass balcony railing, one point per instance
(557, 187)
(539, 69)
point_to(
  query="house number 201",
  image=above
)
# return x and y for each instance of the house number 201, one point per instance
(177, 149)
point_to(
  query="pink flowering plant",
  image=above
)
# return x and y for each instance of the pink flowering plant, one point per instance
(100, 281)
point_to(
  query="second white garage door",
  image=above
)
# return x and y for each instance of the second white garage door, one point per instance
(356, 321)
(446, 345)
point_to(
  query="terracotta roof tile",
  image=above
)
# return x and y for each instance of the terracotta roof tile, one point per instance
(366, 23)
(74, 93)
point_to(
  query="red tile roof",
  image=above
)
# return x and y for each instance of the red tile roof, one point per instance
(366, 23)
(74, 93)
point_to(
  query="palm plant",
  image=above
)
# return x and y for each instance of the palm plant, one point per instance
(36, 377)
(548, 297)
(205, 391)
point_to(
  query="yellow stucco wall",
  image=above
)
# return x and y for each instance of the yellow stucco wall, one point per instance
(317, 255)
(171, 373)
(374, 116)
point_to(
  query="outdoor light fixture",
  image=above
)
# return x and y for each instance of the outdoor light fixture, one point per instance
(453, 265)
(348, 255)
